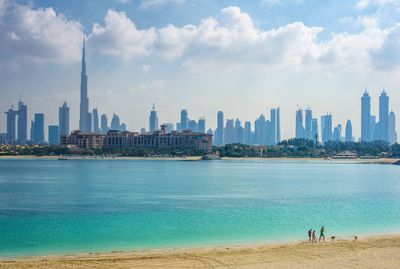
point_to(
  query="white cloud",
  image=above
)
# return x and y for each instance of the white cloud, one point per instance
(146, 4)
(120, 37)
(232, 38)
(37, 35)
(363, 4)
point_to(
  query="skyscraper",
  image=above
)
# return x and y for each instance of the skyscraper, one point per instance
(184, 119)
(115, 123)
(348, 131)
(239, 132)
(219, 133)
(84, 124)
(193, 125)
(104, 124)
(63, 119)
(153, 119)
(326, 128)
(11, 113)
(308, 125)
(95, 114)
(260, 131)
(38, 130)
(314, 130)
(229, 131)
(274, 135)
(247, 133)
(22, 122)
(202, 125)
(299, 124)
(392, 128)
(337, 133)
(384, 116)
(366, 134)
(54, 137)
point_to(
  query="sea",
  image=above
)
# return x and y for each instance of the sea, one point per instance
(50, 206)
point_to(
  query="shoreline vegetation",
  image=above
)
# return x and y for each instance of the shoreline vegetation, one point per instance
(287, 149)
(367, 252)
(199, 158)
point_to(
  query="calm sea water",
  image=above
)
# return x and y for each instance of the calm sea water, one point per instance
(51, 206)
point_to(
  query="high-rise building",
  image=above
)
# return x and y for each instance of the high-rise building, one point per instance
(308, 125)
(202, 125)
(326, 128)
(193, 125)
(184, 119)
(90, 122)
(84, 124)
(38, 130)
(274, 135)
(11, 114)
(366, 134)
(210, 131)
(392, 128)
(247, 133)
(238, 132)
(153, 119)
(337, 133)
(219, 133)
(229, 131)
(123, 127)
(63, 119)
(349, 132)
(54, 137)
(384, 116)
(314, 130)
(32, 131)
(104, 124)
(96, 127)
(22, 123)
(374, 132)
(260, 131)
(115, 123)
(299, 124)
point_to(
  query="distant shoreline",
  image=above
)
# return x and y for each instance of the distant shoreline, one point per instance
(366, 251)
(196, 158)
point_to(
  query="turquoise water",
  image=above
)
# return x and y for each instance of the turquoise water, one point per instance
(51, 206)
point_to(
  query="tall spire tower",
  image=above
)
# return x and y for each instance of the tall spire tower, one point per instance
(84, 107)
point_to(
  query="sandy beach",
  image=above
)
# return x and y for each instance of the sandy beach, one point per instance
(197, 158)
(371, 252)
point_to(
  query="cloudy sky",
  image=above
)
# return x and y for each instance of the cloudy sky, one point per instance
(242, 57)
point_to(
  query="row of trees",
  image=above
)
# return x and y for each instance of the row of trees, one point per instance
(307, 148)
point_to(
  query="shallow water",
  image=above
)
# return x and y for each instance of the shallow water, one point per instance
(51, 206)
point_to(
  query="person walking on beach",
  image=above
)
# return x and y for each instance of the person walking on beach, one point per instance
(309, 235)
(314, 237)
(322, 233)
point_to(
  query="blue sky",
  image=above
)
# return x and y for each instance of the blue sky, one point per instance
(242, 57)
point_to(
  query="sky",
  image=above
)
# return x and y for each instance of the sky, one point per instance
(242, 57)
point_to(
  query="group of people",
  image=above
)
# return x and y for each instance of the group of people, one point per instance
(313, 238)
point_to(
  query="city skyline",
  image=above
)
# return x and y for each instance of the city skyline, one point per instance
(127, 76)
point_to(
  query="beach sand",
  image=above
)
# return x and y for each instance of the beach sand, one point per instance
(371, 252)
(198, 158)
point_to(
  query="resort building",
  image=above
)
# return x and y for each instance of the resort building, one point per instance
(83, 140)
(157, 140)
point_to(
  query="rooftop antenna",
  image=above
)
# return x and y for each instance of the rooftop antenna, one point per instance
(154, 106)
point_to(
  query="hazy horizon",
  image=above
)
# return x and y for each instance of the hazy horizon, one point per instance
(239, 57)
